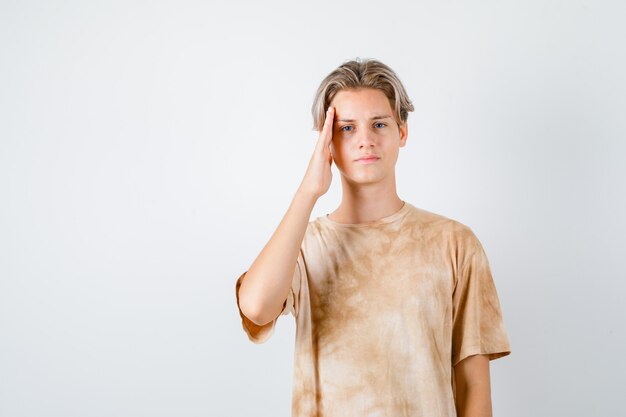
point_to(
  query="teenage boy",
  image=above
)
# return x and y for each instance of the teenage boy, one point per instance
(396, 310)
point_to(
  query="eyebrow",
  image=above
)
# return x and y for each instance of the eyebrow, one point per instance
(372, 118)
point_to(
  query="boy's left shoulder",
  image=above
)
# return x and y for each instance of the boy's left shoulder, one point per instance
(442, 225)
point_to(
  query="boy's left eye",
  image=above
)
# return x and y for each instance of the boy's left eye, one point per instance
(380, 124)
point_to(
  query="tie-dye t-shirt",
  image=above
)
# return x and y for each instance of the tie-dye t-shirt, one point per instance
(384, 310)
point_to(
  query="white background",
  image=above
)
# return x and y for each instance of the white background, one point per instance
(149, 150)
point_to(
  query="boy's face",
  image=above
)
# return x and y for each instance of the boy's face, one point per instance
(364, 125)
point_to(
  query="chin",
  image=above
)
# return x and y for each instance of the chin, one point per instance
(365, 179)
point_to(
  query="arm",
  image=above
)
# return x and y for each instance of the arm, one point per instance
(473, 389)
(266, 284)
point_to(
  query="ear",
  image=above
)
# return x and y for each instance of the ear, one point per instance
(404, 133)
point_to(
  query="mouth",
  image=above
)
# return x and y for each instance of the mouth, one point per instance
(368, 159)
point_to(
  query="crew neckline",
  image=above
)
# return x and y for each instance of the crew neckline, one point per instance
(383, 220)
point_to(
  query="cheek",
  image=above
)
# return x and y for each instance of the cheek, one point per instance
(339, 153)
(335, 150)
(335, 145)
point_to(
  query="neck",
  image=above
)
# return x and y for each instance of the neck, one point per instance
(362, 203)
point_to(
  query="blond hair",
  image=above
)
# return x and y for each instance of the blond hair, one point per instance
(358, 73)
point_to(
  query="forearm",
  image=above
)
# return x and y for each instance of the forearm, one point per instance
(473, 387)
(474, 401)
(266, 284)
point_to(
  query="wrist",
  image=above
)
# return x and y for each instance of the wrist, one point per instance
(306, 196)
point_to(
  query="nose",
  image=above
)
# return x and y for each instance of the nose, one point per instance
(365, 139)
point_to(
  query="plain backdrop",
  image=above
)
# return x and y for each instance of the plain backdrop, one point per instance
(149, 149)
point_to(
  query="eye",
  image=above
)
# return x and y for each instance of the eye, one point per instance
(344, 128)
(381, 124)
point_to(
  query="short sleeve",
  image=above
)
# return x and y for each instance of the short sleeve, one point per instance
(260, 334)
(478, 326)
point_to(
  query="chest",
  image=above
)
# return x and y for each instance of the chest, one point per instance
(356, 283)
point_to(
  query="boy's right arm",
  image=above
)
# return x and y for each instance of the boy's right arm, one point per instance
(266, 284)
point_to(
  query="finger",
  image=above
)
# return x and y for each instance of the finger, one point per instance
(330, 119)
(322, 140)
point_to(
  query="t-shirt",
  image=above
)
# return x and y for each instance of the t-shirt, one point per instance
(384, 310)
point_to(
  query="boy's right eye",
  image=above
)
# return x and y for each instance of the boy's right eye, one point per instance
(344, 128)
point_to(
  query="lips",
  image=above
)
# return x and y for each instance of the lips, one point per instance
(368, 158)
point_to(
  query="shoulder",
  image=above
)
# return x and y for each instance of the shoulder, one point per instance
(442, 225)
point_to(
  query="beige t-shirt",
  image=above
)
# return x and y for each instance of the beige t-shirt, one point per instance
(383, 311)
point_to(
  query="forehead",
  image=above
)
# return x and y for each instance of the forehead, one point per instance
(361, 102)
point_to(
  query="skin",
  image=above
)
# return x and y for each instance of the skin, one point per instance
(473, 387)
(368, 190)
(369, 193)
